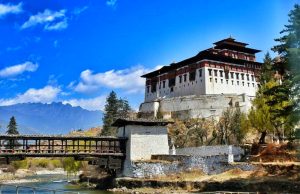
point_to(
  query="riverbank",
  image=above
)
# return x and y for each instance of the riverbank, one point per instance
(267, 178)
(21, 175)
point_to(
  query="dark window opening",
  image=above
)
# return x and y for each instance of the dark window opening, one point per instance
(209, 72)
(242, 75)
(200, 72)
(171, 82)
(180, 79)
(184, 77)
(237, 76)
(153, 87)
(216, 72)
(221, 73)
(226, 75)
(164, 84)
(192, 76)
(231, 74)
(172, 89)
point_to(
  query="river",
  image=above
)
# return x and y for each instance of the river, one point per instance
(57, 182)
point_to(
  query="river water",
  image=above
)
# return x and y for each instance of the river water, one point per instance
(57, 182)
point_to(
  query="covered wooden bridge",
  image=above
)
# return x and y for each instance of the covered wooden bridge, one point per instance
(14, 147)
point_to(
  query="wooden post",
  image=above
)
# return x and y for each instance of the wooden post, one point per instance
(66, 146)
(96, 146)
(62, 145)
(39, 146)
(53, 146)
(73, 145)
(49, 147)
(26, 145)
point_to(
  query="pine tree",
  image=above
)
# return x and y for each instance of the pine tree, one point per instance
(110, 114)
(114, 108)
(124, 108)
(12, 127)
(285, 100)
(267, 72)
(12, 130)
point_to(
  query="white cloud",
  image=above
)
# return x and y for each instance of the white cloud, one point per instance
(96, 103)
(79, 10)
(52, 20)
(111, 3)
(10, 9)
(127, 79)
(18, 69)
(44, 95)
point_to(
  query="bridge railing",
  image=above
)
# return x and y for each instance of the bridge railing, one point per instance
(60, 145)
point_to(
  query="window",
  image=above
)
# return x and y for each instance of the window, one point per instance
(216, 80)
(200, 72)
(164, 84)
(221, 81)
(209, 72)
(153, 87)
(210, 79)
(243, 83)
(172, 89)
(227, 81)
(232, 82)
(192, 76)
(252, 77)
(221, 73)
(159, 85)
(237, 75)
(238, 83)
(171, 82)
(226, 75)
(180, 79)
(242, 75)
(253, 84)
(216, 72)
(184, 77)
(247, 77)
(231, 74)
(248, 85)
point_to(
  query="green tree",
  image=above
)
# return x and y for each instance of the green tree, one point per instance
(124, 108)
(232, 127)
(267, 70)
(71, 166)
(285, 96)
(260, 115)
(114, 108)
(12, 127)
(110, 114)
(12, 130)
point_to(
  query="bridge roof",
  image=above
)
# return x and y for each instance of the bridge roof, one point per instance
(58, 137)
(144, 122)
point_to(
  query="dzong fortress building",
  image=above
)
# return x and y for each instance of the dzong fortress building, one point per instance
(226, 75)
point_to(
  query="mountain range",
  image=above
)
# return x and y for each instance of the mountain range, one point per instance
(54, 118)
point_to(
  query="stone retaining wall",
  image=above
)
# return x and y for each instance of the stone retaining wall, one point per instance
(172, 164)
(211, 151)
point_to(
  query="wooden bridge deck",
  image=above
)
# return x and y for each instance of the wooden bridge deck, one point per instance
(61, 146)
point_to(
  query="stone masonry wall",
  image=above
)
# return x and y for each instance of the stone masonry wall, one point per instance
(211, 151)
(172, 164)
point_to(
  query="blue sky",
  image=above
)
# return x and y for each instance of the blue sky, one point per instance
(78, 51)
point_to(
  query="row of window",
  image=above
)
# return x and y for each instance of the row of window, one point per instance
(237, 75)
(232, 82)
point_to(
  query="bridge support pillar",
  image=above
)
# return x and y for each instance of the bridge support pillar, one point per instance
(144, 139)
